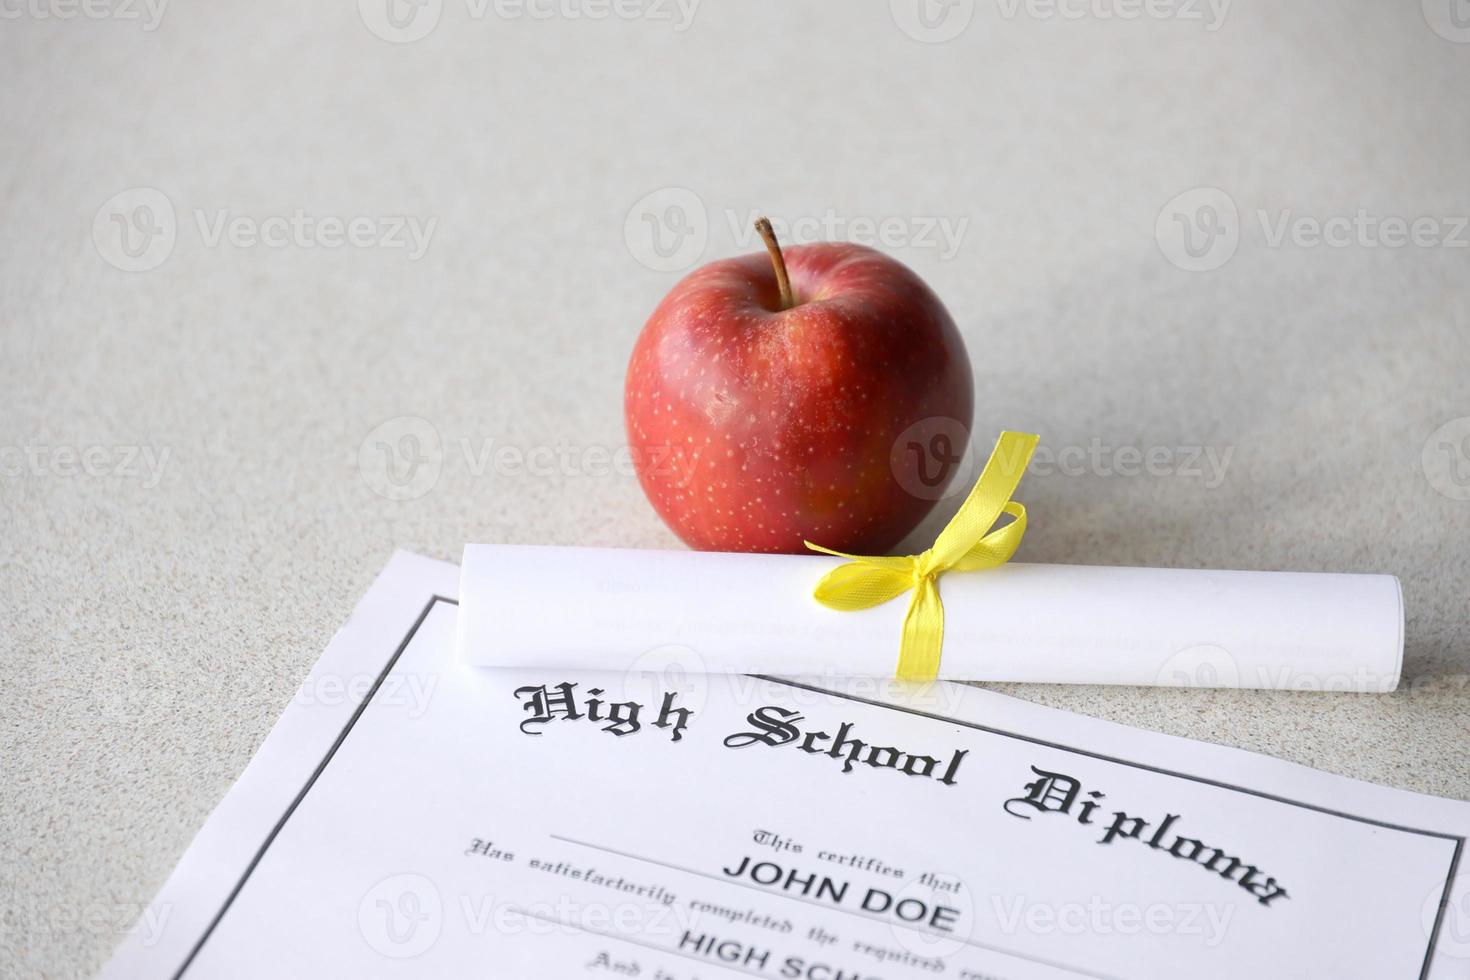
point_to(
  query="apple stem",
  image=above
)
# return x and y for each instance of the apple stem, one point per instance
(768, 235)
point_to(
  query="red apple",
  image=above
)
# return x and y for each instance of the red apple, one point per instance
(766, 396)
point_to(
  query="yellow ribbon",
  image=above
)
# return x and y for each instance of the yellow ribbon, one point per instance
(966, 544)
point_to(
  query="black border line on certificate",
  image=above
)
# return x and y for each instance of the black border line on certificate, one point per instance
(429, 606)
(316, 773)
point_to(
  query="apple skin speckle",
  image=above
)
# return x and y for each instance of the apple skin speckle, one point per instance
(808, 402)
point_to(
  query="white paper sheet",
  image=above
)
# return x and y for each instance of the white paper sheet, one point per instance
(412, 816)
(618, 609)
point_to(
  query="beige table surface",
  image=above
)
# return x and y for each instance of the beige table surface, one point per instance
(157, 612)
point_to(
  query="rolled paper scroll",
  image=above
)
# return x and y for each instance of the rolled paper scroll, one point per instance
(615, 609)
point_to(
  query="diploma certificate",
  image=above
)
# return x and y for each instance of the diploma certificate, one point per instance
(604, 608)
(414, 815)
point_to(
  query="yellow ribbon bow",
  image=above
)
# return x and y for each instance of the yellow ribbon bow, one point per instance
(966, 544)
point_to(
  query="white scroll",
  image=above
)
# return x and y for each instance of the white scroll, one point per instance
(618, 609)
